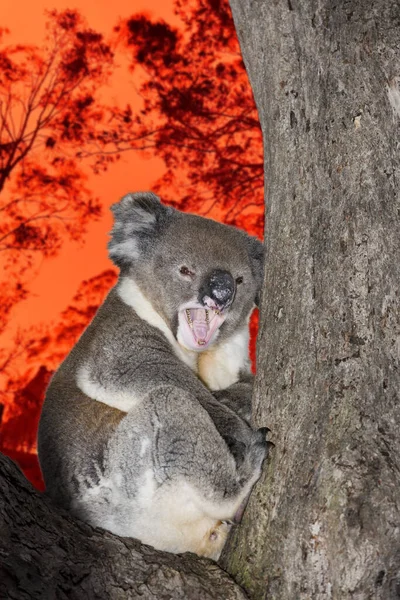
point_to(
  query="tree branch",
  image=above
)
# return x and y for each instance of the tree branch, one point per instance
(45, 553)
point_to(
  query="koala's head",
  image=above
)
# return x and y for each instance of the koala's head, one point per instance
(202, 277)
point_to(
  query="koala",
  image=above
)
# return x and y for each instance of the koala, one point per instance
(145, 429)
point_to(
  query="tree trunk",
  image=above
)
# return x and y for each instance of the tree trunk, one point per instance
(325, 520)
(45, 554)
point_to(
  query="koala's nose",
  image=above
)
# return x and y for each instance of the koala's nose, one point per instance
(219, 286)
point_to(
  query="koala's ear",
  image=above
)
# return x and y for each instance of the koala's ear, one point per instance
(137, 217)
(255, 249)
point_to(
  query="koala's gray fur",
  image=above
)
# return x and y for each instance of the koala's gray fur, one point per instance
(143, 431)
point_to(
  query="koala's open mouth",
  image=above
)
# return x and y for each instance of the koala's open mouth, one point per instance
(198, 326)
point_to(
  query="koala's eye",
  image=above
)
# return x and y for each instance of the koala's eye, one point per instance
(186, 271)
(239, 280)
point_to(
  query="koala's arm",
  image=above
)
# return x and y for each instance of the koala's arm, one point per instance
(238, 396)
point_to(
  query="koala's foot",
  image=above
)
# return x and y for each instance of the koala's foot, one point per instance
(214, 540)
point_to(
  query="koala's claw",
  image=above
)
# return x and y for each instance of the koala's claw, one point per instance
(264, 430)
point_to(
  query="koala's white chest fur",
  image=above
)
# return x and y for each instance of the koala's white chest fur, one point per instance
(218, 367)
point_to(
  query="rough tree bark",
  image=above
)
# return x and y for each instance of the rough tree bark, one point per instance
(325, 520)
(46, 555)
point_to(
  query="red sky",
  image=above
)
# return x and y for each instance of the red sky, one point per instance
(59, 278)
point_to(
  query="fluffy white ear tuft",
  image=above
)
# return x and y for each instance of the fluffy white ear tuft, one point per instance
(137, 216)
(137, 211)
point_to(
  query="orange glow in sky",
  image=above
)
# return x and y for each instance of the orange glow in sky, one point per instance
(59, 278)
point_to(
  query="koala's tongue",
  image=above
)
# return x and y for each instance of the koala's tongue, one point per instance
(200, 324)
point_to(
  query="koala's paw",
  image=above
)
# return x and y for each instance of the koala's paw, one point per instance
(213, 542)
(259, 449)
(264, 431)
